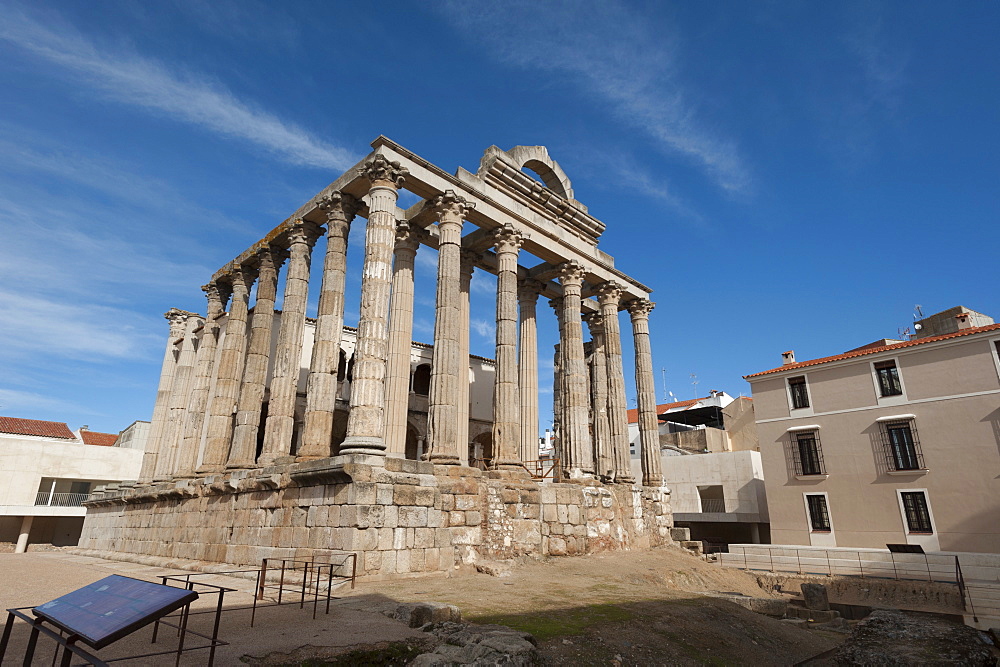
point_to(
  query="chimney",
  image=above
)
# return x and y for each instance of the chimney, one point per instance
(84, 428)
(788, 357)
(964, 321)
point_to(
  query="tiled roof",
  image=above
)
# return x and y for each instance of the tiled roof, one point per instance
(633, 415)
(17, 426)
(100, 439)
(875, 350)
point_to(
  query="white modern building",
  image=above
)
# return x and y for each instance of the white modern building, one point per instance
(46, 471)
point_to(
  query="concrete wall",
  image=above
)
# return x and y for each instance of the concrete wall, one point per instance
(25, 460)
(739, 473)
(953, 389)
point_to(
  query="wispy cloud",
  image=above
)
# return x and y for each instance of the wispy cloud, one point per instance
(484, 328)
(612, 53)
(169, 90)
(13, 401)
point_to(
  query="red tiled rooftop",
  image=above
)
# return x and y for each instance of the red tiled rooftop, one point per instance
(99, 439)
(875, 350)
(633, 415)
(44, 429)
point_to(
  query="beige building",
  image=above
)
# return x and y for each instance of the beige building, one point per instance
(892, 442)
(47, 471)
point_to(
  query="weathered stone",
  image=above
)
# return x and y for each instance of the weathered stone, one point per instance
(815, 596)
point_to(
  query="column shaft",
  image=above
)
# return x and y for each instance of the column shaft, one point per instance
(280, 424)
(161, 409)
(173, 433)
(558, 390)
(442, 419)
(468, 266)
(609, 295)
(243, 452)
(194, 421)
(321, 386)
(527, 372)
(400, 339)
(576, 400)
(232, 356)
(366, 422)
(598, 362)
(652, 474)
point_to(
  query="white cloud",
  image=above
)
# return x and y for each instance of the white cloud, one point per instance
(613, 54)
(162, 88)
(483, 283)
(484, 328)
(13, 401)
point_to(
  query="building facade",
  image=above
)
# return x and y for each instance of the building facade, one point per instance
(47, 472)
(895, 442)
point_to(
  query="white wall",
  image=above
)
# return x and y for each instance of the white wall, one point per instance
(739, 473)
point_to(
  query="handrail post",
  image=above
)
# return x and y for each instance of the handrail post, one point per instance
(861, 566)
(798, 561)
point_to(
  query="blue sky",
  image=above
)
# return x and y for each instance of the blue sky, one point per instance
(783, 175)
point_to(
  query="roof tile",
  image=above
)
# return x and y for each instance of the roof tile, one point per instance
(99, 439)
(43, 429)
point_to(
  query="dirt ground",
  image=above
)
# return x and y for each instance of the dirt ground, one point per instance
(619, 608)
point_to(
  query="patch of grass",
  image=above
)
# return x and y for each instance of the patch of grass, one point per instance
(690, 651)
(396, 653)
(560, 622)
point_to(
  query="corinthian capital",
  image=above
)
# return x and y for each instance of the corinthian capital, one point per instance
(529, 289)
(177, 319)
(217, 297)
(303, 231)
(339, 206)
(571, 274)
(381, 171)
(450, 207)
(595, 322)
(609, 292)
(640, 308)
(507, 239)
(408, 236)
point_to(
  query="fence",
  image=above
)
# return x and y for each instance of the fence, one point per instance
(60, 499)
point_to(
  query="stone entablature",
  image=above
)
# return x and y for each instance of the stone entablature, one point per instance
(400, 516)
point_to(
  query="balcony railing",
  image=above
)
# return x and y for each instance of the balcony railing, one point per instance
(713, 505)
(60, 499)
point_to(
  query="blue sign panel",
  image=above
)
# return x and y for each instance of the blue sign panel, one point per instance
(109, 609)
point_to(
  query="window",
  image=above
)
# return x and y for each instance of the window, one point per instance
(808, 454)
(902, 448)
(422, 380)
(888, 379)
(797, 388)
(819, 516)
(918, 518)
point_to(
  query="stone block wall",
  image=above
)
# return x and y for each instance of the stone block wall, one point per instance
(399, 516)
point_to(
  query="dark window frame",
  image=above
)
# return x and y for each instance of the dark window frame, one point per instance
(807, 453)
(799, 392)
(819, 513)
(889, 383)
(917, 514)
(901, 445)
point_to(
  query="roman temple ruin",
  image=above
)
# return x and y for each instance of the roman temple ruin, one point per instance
(278, 435)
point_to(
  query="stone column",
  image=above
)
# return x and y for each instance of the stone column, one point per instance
(576, 400)
(161, 409)
(646, 393)
(400, 338)
(609, 295)
(558, 389)
(22, 536)
(243, 452)
(222, 408)
(288, 353)
(198, 404)
(468, 266)
(506, 396)
(366, 422)
(173, 433)
(442, 421)
(603, 460)
(527, 371)
(321, 385)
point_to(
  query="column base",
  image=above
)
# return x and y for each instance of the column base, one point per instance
(444, 459)
(362, 444)
(209, 470)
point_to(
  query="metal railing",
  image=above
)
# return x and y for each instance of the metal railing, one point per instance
(717, 505)
(60, 499)
(542, 469)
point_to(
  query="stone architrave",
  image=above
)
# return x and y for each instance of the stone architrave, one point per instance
(366, 421)
(576, 400)
(180, 393)
(468, 265)
(321, 385)
(652, 474)
(400, 336)
(243, 452)
(222, 408)
(195, 420)
(161, 411)
(280, 423)
(608, 296)
(603, 460)
(442, 420)
(506, 395)
(527, 372)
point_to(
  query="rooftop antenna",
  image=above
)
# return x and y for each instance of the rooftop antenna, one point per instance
(694, 383)
(663, 378)
(920, 311)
